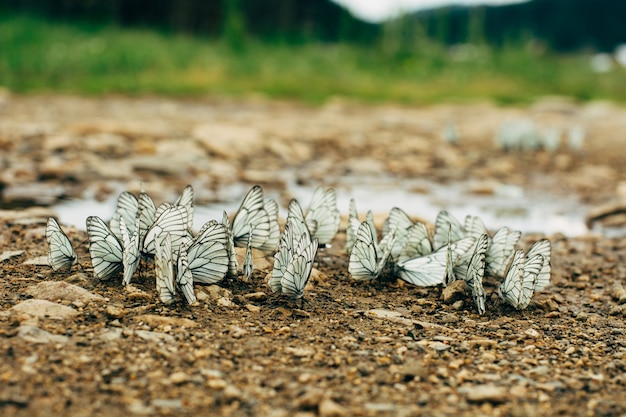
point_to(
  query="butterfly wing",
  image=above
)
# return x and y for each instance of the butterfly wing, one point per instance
(184, 276)
(363, 262)
(353, 219)
(271, 207)
(447, 227)
(172, 220)
(510, 289)
(105, 249)
(130, 250)
(501, 251)
(298, 271)
(186, 200)
(476, 272)
(251, 212)
(127, 208)
(233, 265)
(164, 269)
(323, 217)
(147, 215)
(208, 255)
(542, 247)
(474, 226)
(61, 254)
(417, 243)
(282, 258)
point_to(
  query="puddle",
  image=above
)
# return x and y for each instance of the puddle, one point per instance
(525, 210)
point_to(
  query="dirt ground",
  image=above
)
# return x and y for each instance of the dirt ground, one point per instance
(380, 349)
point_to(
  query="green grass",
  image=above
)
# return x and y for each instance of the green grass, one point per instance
(40, 56)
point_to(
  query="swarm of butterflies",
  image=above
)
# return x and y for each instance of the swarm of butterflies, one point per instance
(140, 231)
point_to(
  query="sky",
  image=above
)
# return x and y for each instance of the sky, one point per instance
(379, 10)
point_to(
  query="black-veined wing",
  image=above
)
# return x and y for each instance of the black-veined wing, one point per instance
(251, 212)
(164, 268)
(130, 250)
(172, 220)
(61, 254)
(518, 286)
(298, 271)
(474, 226)
(147, 215)
(352, 226)
(282, 258)
(363, 264)
(416, 243)
(429, 270)
(186, 200)
(127, 208)
(501, 251)
(322, 216)
(208, 255)
(233, 265)
(105, 249)
(271, 207)
(184, 276)
(542, 247)
(476, 272)
(446, 227)
(248, 266)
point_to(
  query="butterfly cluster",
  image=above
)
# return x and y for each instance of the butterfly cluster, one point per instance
(139, 230)
(456, 251)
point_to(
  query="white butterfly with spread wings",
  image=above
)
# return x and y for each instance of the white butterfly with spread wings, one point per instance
(61, 254)
(259, 216)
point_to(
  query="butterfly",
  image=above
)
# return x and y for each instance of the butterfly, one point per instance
(519, 283)
(293, 263)
(430, 269)
(164, 268)
(298, 271)
(105, 249)
(130, 250)
(186, 200)
(417, 242)
(233, 265)
(323, 216)
(61, 254)
(184, 275)
(172, 220)
(543, 277)
(353, 226)
(248, 267)
(476, 272)
(207, 253)
(447, 228)
(368, 259)
(253, 211)
(127, 208)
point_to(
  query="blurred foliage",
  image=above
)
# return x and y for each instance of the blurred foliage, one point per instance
(404, 66)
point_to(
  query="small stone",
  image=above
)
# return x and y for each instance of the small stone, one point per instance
(453, 292)
(252, 308)
(115, 312)
(37, 261)
(61, 290)
(216, 383)
(300, 352)
(231, 393)
(44, 309)
(8, 254)
(34, 334)
(256, 296)
(155, 321)
(310, 399)
(329, 408)
(178, 378)
(155, 336)
(532, 333)
(486, 393)
(226, 302)
(135, 294)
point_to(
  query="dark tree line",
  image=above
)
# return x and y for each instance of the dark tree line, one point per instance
(563, 25)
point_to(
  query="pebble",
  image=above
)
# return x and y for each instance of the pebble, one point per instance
(8, 254)
(256, 296)
(61, 290)
(45, 309)
(155, 336)
(486, 393)
(329, 408)
(34, 334)
(155, 321)
(453, 292)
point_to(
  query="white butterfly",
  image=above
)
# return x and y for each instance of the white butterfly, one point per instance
(282, 257)
(417, 242)
(518, 286)
(252, 211)
(248, 267)
(501, 250)
(298, 271)
(447, 227)
(233, 265)
(184, 276)
(105, 249)
(296, 220)
(172, 220)
(542, 247)
(367, 259)
(186, 200)
(130, 249)
(353, 226)
(164, 269)
(127, 209)
(323, 216)
(274, 230)
(147, 215)
(476, 272)
(61, 254)
(207, 253)
(428, 270)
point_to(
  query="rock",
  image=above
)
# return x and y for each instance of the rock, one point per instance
(155, 336)
(232, 142)
(256, 296)
(111, 334)
(329, 408)
(231, 393)
(252, 308)
(453, 292)
(8, 254)
(155, 321)
(618, 293)
(393, 316)
(215, 292)
(178, 378)
(486, 393)
(317, 276)
(116, 312)
(34, 334)
(44, 309)
(300, 352)
(40, 213)
(40, 193)
(60, 290)
(38, 261)
(136, 294)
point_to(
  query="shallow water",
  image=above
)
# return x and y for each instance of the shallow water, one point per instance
(526, 210)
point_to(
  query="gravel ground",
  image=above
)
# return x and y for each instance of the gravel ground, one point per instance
(71, 345)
